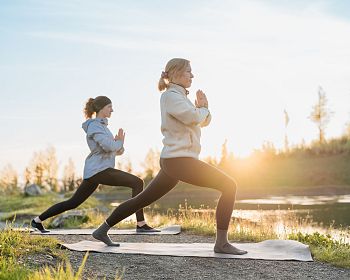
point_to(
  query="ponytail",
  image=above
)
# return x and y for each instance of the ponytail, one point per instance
(162, 84)
(173, 68)
(94, 105)
(89, 108)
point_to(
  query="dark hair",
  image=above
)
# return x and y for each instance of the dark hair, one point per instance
(94, 105)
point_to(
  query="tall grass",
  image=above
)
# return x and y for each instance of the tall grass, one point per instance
(10, 269)
(325, 248)
(16, 245)
(65, 272)
(60, 272)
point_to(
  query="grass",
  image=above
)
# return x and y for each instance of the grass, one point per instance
(21, 205)
(10, 269)
(60, 272)
(64, 272)
(203, 222)
(16, 245)
(196, 221)
(22, 202)
(326, 249)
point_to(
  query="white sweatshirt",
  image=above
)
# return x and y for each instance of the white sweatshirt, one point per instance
(181, 123)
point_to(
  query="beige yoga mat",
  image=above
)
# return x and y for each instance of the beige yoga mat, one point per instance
(174, 229)
(265, 250)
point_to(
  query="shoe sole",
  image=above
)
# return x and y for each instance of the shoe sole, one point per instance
(144, 230)
(36, 229)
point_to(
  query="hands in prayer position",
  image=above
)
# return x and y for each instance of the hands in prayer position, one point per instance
(120, 136)
(201, 100)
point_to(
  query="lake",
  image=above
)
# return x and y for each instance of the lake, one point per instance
(324, 210)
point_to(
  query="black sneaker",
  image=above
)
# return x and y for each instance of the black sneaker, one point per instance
(146, 228)
(38, 226)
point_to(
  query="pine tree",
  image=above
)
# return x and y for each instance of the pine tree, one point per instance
(321, 114)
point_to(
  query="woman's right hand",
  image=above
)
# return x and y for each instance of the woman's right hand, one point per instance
(120, 136)
(201, 100)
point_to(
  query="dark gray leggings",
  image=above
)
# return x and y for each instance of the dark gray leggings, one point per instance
(110, 177)
(189, 170)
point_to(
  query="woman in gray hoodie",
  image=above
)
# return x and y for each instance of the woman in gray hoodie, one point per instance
(181, 127)
(99, 165)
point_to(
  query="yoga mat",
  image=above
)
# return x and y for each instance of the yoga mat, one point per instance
(174, 229)
(265, 250)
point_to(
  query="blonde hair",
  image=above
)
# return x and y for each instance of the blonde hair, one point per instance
(173, 68)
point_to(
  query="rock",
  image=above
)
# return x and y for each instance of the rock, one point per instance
(32, 190)
(101, 209)
(78, 216)
(2, 226)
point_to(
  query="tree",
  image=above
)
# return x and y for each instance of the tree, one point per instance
(211, 160)
(42, 169)
(321, 114)
(8, 179)
(268, 149)
(347, 130)
(51, 168)
(27, 176)
(151, 164)
(39, 173)
(227, 158)
(69, 177)
(224, 154)
(125, 165)
(286, 122)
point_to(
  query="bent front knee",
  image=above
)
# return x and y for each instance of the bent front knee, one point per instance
(230, 187)
(138, 184)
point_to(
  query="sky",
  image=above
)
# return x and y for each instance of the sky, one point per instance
(253, 59)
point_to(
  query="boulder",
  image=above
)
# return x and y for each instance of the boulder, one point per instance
(76, 216)
(32, 190)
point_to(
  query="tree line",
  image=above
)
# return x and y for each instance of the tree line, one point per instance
(42, 169)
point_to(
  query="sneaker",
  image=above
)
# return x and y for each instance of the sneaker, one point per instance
(38, 226)
(146, 228)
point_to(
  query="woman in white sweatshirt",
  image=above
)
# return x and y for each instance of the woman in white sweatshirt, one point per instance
(181, 128)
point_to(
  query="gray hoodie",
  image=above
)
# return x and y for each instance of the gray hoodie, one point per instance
(102, 145)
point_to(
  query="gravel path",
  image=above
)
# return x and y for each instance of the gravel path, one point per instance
(164, 267)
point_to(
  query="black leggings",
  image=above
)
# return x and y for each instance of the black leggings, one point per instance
(188, 170)
(111, 177)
